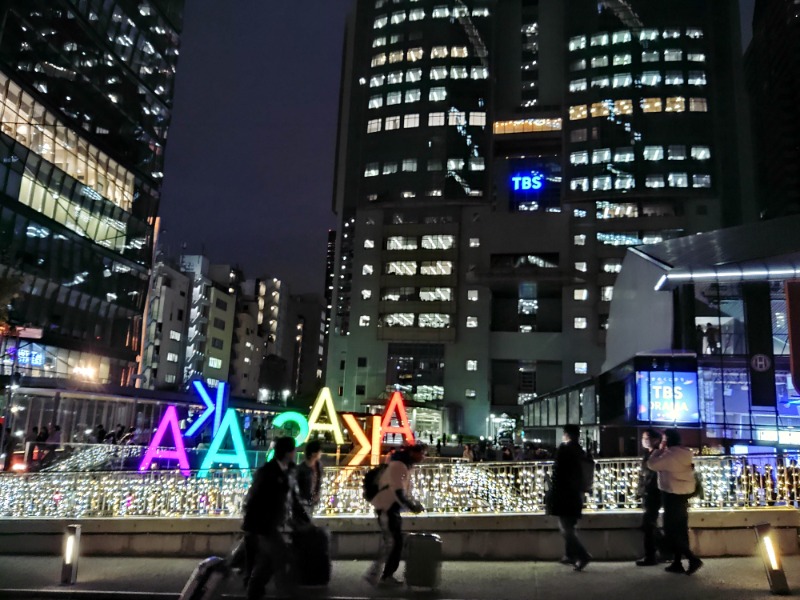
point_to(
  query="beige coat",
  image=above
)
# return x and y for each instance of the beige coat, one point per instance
(674, 468)
(397, 476)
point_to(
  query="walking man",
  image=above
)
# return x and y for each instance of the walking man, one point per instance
(309, 476)
(566, 497)
(651, 500)
(673, 463)
(394, 495)
(271, 506)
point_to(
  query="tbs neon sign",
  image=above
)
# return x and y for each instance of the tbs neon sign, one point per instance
(523, 182)
(225, 424)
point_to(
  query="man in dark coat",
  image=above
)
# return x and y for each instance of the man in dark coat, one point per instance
(271, 507)
(651, 500)
(566, 498)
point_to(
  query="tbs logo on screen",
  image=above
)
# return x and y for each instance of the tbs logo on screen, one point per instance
(528, 183)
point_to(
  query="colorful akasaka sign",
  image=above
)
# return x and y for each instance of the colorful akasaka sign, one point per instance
(323, 418)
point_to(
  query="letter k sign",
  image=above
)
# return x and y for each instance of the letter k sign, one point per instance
(215, 409)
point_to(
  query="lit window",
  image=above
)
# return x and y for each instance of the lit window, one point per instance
(622, 80)
(459, 73)
(398, 17)
(701, 152)
(651, 105)
(479, 73)
(579, 184)
(580, 295)
(413, 75)
(650, 56)
(623, 154)
(435, 294)
(579, 213)
(367, 270)
(620, 60)
(577, 43)
(620, 37)
(378, 42)
(600, 109)
(170, 378)
(393, 98)
(578, 65)
(648, 35)
(363, 321)
(389, 168)
(395, 77)
(437, 94)
(579, 240)
(654, 181)
(697, 78)
(441, 12)
(436, 119)
(396, 57)
(455, 117)
(623, 107)
(581, 368)
(579, 158)
(577, 112)
(172, 357)
(399, 320)
(439, 52)
(438, 73)
(477, 164)
(480, 12)
(477, 119)
(411, 121)
(470, 393)
(436, 267)
(369, 243)
(212, 383)
(376, 80)
(392, 123)
(380, 22)
(624, 181)
(599, 61)
(698, 105)
(472, 295)
(696, 57)
(612, 265)
(372, 170)
(376, 102)
(175, 335)
(366, 294)
(472, 365)
(600, 82)
(654, 153)
(472, 322)
(673, 55)
(601, 183)
(619, 238)
(416, 14)
(651, 78)
(579, 323)
(616, 210)
(474, 242)
(581, 266)
(677, 152)
(701, 181)
(409, 165)
(577, 85)
(434, 320)
(694, 33)
(607, 293)
(672, 34)
(214, 363)
(373, 126)
(599, 39)
(676, 104)
(398, 242)
(455, 164)
(603, 155)
(401, 267)
(438, 242)
(678, 180)
(378, 60)
(673, 78)
(459, 52)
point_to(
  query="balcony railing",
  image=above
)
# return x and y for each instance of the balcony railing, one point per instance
(730, 483)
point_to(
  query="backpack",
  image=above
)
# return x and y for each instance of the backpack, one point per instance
(371, 482)
(587, 472)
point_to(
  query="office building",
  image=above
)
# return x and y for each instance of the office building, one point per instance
(85, 103)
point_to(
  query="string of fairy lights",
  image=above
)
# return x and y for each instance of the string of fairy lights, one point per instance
(443, 488)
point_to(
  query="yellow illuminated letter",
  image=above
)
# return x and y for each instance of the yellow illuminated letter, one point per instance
(325, 402)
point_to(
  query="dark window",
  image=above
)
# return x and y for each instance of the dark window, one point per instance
(219, 324)
(341, 390)
(216, 343)
(221, 304)
(362, 361)
(180, 314)
(341, 367)
(360, 390)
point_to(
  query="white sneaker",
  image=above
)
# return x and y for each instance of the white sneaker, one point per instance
(390, 581)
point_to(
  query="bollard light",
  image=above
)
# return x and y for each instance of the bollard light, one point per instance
(72, 547)
(770, 554)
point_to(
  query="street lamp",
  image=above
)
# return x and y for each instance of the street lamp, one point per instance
(770, 554)
(69, 563)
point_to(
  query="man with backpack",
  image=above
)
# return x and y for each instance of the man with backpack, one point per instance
(388, 489)
(572, 478)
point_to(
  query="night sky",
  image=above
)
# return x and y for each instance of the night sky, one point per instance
(250, 157)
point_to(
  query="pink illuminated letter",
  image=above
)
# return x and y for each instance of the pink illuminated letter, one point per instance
(168, 421)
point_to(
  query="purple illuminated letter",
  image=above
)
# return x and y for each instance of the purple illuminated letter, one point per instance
(169, 420)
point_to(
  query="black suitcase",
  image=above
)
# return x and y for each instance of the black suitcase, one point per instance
(423, 560)
(311, 556)
(206, 580)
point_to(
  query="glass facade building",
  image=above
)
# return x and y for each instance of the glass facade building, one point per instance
(85, 102)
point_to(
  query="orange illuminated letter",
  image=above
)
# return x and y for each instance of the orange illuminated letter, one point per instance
(396, 405)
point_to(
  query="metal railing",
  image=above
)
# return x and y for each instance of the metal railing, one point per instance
(443, 488)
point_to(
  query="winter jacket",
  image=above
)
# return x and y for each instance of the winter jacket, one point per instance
(272, 502)
(309, 483)
(674, 467)
(648, 479)
(394, 485)
(566, 497)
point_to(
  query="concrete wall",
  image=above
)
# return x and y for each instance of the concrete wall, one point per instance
(608, 536)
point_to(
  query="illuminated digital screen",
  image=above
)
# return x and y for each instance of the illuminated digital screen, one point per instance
(532, 181)
(667, 397)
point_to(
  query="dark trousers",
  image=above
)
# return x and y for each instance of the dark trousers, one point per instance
(267, 555)
(391, 524)
(574, 549)
(653, 537)
(676, 524)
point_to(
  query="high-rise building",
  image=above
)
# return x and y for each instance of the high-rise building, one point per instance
(85, 102)
(773, 80)
(494, 159)
(308, 361)
(330, 273)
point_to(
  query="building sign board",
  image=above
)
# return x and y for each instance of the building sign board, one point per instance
(667, 397)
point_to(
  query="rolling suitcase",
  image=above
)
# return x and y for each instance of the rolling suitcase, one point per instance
(206, 580)
(311, 556)
(423, 560)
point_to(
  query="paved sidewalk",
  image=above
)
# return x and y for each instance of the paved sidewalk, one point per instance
(722, 578)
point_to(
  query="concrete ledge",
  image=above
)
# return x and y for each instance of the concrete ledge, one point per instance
(608, 535)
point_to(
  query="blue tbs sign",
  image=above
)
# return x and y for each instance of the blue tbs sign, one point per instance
(667, 397)
(522, 182)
